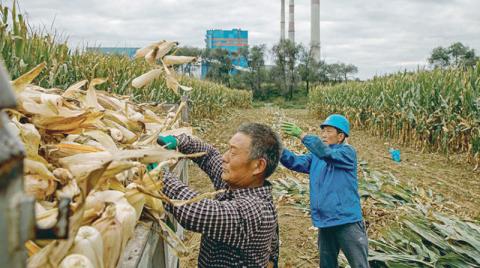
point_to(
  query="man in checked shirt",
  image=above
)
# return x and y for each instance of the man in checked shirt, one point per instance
(239, 227)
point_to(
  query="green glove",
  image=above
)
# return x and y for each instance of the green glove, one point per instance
(291, 129)
(151, 166)
(170, 142)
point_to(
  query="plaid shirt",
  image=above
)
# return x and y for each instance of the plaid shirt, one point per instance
(239, 228)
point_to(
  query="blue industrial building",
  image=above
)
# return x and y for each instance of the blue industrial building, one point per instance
(230, 40)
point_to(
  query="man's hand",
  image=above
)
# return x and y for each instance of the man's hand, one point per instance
(169, 142)
(291, 129)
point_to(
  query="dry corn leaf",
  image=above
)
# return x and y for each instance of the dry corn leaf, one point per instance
(105, 139)
(73, 90)
(91, 97)
(62, 150)
(109, 102)
(21, 83)
(68, 124)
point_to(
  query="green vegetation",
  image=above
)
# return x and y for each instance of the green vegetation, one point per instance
(437, 109)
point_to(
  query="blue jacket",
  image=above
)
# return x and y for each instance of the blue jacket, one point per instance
(334, 198)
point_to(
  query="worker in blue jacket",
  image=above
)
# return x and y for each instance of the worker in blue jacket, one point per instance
(334, 200)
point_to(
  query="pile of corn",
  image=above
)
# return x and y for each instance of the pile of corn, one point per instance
(437, 110)
(91, 148)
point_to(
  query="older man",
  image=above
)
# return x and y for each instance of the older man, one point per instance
(239, 227)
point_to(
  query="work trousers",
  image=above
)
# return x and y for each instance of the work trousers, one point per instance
(351, 238)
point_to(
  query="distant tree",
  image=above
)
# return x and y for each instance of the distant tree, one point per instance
(257, 73)
(306, 68)
(348, 69)
(189, 51)
(456, 55)
(439, 57)
(335, 72)
(219, 65)
(286, 55)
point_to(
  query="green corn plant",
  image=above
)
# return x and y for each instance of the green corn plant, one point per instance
(430, 110)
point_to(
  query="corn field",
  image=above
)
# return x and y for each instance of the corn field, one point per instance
(23, 48)
(435, 110)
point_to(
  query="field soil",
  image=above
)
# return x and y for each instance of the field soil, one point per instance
(453, 178)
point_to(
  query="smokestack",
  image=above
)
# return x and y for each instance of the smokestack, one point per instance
(282, 21)
(315, 29)
(291, 21)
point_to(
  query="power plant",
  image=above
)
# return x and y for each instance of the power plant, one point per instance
(314, 25)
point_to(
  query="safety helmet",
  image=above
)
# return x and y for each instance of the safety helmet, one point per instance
(339, 122)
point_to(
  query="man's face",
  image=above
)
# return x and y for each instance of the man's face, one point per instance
(330, 135)
(239, 171)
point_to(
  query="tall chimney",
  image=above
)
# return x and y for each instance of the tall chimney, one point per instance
(282, 21)
(291, 21)
(315, 29)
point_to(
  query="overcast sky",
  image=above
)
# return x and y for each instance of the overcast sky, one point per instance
(378, 36)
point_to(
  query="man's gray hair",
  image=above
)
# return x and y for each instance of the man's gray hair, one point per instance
(266, 144)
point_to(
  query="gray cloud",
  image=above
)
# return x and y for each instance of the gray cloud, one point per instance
(378, 36)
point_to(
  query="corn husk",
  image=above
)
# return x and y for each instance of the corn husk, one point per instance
(69, 191)
(127, 135)
(39, 187)
(104, 139)
(126, 215)
(116, 134)
(37, 168)
(62, 175)
(66, 149)
(89, 243)
(31, 139)
(21, 83)
(146, 78)
(74, 90)
(164, 48)
(135, 198)
(45, 218)
(32, 248)
(174, 60)
(141, 53)
(76, 261)
(91, 96)
(111, 232)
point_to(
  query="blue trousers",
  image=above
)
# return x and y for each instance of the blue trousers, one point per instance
(351, 238)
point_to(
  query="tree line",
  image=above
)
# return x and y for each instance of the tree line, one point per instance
(294, 70)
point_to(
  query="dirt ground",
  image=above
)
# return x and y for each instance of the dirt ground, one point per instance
(454, 179)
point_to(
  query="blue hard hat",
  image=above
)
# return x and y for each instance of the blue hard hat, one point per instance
(337, 121)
